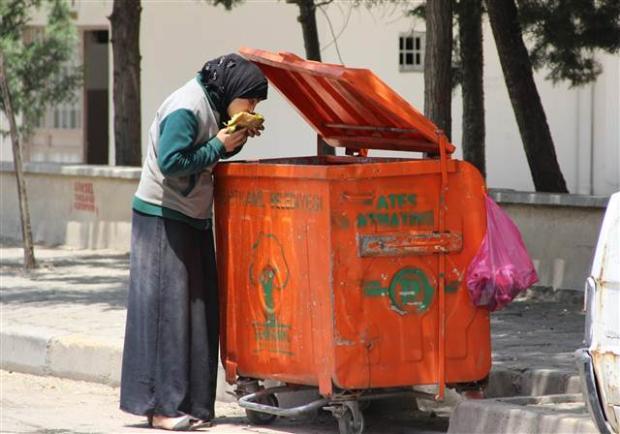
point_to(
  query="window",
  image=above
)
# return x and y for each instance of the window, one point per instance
(67, 115)
(411, 51)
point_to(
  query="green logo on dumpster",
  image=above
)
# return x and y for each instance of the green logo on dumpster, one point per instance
(270, 274)
(409, 291)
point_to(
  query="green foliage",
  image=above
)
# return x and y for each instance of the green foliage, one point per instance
(418, 12)
(38, 71)
(565, 34)
(14, 15)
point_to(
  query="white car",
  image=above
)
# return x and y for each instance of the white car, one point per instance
(599, 361)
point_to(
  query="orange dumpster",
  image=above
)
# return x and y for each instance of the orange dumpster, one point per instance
(347, 273)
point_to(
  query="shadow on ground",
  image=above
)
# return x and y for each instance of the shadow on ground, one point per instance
(80, 279)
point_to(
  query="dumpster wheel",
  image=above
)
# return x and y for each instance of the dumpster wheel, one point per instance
(258, 418)
(350, 418)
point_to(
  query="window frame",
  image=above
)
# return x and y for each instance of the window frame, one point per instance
(69, 115)
(414, 51)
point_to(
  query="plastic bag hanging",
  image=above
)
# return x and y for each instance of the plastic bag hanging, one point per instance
(502, 268)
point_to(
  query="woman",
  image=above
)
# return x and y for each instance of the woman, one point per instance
(170, 357)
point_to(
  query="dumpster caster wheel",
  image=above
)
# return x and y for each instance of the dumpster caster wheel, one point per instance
(258, 418)
(350, 418)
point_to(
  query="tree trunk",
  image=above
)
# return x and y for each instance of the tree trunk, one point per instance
(307, 19)
(470, 37)
(24, 213)
(438, 64)
(125, 22)
(526, 104)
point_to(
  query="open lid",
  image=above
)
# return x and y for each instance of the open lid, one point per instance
(348, 107)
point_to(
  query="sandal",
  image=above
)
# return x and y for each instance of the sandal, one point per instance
(180, 423)
(201, 423)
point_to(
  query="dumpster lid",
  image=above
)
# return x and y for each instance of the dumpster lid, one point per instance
(348, 107)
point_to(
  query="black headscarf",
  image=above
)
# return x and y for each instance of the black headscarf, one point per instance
(231, 76)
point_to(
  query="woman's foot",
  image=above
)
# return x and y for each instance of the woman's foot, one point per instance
(177, 423)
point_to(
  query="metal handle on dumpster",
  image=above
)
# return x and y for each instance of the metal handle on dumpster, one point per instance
(418, 243)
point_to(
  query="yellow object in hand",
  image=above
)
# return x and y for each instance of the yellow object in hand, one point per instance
(245, 120)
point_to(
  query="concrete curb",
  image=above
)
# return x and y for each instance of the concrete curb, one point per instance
(504, 382)
(43, 351)
(547, 414)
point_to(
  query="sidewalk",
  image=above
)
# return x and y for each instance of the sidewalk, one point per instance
(67, 319)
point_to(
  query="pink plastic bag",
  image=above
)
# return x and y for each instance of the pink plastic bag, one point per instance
(502, 267)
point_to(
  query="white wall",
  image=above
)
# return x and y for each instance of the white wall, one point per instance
(606, 128)
(176, 41)
(6, 152)
(506, 161)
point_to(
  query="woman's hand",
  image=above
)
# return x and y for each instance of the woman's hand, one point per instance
(251, 132)
(232, 141)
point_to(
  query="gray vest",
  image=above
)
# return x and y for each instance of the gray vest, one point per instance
(192, 197)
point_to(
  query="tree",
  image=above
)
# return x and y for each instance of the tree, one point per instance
(528, 109)
(125, 23)
(566, 33)
(309, 30)
(307, 19)
(438, 65)
(466, 71)
(564, 36)
(34, 74)
(24, 211)
(471, 61)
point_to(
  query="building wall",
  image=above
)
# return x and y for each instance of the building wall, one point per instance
(606, 128)
(62, 145)
(178, 36)
(6, 152)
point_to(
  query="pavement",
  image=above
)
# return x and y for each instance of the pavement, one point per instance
(66, 319)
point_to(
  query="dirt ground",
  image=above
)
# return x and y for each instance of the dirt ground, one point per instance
(49, 405)
(539, 332)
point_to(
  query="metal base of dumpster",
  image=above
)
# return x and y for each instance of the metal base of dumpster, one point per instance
(262, 408)
(261, 405)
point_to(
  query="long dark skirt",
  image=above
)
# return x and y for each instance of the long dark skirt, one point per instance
(170, 357)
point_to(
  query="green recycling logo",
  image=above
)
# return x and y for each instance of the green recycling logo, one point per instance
(410, 288)
(409, 291)
(269, 271)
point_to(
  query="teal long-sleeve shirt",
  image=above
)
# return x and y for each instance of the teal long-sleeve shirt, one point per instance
(177, 154)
